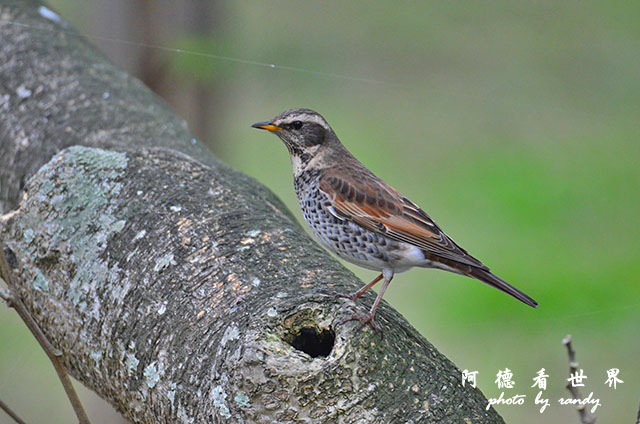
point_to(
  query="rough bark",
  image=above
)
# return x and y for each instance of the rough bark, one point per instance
(175, 287)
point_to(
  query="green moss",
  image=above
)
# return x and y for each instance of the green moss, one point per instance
(40, 282)
(28, 235)
(219, 396)
(242, 400)
(152, 375)
(81, 185)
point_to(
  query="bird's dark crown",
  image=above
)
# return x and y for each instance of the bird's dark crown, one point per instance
(303, 131)
(302, 128)
(308, 137)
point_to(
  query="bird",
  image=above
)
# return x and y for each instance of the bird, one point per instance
(362, 219)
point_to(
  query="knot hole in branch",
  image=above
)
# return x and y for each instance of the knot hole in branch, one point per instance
(304, 334)
(313, 341)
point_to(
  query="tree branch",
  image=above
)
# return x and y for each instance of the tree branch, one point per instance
(10, 413)
(177, 288)
(13, 300)
(585, 417)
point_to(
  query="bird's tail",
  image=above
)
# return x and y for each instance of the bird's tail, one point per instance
(493, 280)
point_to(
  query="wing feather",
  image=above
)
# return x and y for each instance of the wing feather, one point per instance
(377, 207)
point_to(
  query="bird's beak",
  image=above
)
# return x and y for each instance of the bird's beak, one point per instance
(266, 125)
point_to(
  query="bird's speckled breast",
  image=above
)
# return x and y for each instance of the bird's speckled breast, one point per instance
(347, 239)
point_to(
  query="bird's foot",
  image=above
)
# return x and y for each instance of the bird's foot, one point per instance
(364, 319)
(332, 293)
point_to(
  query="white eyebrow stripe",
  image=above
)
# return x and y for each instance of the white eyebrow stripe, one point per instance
(304, 117)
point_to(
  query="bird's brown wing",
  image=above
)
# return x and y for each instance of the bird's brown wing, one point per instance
(376, 206)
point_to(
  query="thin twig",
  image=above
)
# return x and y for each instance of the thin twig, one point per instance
(13, 301)
(54, 354)
(10, 413)
(585, 417)
(638, 418)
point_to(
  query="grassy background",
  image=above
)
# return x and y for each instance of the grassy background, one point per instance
(513, 124)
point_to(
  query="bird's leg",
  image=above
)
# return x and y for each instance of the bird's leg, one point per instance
(368, 318)
(353, 296)
(363, 289)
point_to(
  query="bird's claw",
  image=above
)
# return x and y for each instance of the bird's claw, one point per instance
(364, 319)
(335, 294)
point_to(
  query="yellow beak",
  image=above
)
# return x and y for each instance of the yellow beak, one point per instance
(266, 125)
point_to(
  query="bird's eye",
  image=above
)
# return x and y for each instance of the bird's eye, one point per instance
(296, 125)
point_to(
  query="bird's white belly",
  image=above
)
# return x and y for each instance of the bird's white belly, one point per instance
(372, 251)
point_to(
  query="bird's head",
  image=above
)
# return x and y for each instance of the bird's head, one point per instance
(305, 133)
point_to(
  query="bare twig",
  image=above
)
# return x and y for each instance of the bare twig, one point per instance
(585, 417)
(13, 300)
(638, 418)
(9, 412)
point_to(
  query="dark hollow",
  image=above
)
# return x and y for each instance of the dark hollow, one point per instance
(12, 261)
(314, 342)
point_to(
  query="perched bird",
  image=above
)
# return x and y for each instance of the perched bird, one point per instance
(362, 219)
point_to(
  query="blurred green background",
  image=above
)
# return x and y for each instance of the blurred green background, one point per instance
(515, 125)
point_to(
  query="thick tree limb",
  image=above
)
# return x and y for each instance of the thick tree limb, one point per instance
(175, 287)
